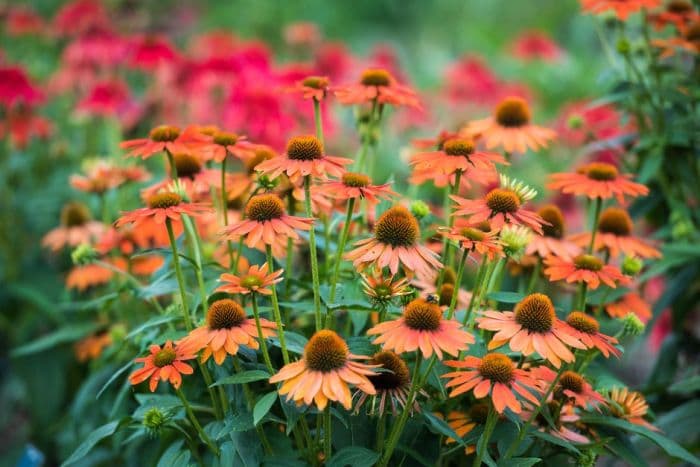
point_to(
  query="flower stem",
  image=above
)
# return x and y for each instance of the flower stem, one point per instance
(195, 423)
(341, 247)
(480, 275)
(581, 296)
(263, 343)
(312, 253)
(458, 283)
(327, 432)
(535, 276)
(483, 444)
(276, 307)
(318, 120)
(224, 209)
(178, 274)
(594, 227)
(381, 431)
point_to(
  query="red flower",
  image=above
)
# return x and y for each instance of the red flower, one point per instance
(536, 45)
(16, 87)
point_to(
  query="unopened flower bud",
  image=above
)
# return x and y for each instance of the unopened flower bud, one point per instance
(154, 420)
(623, 46)
(632, 325)
(631, 265)
(83, 254)
(419, 209)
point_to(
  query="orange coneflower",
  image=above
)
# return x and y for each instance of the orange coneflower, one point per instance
(631, 302)
(266, 223)
(381, 290)
(160, 138)
(566, 415)
(162, 206)
(422, 327)
(551, 241)
(464, 422)
(395, 241)
(324, 373)
(621, 8)
(256, 279)
(91, 347)
(428, 285)
(615, 235)
(312, 87)
(76, 228)
(392, 385)
(166, 363)
(583, 268)
(304, 156)
(629, 405)
(587, 329)
(226, 329)
(475, 239)
(215, 144)
(101, 176)
(597, 180)
(193, 177)
(84, 276)
(356, 185)
(378, 85)
(456, 154)
(510, 128)
(571, 385)
(500, 206)
(496, 374)
(531, 327)
(677, 12)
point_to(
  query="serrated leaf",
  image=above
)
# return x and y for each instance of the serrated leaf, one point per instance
(263, 406)
(243, 377)
(353, 456)
(90, 441)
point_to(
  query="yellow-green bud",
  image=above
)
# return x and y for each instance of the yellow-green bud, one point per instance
(632, 265)
(632, 325)
(419, 209)
(83, 254)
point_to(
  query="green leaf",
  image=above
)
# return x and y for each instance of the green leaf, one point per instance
(506, 297)
(92, 439)
(686, 386)
(440, 426)
(353, 456)
(243, 378)
(295, 342)
(671, 447)
(520, 462)
(263, 406)
(158, 320)
(116, 375)
(69, 333)
(554, 440)
(174, 455)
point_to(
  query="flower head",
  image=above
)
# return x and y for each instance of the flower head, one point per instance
(422, 327)
(378, 85)
(456, 154)
(597, 180)
(312, 87)
(496, 375)
(584, 268)
(631, 302)
(255, 280)
(381, 290)
(621, 8)
(552, 241)
(510, 128)
(586, 329)
(160, 138)
(77, 227)
(226, 329)
(473, 238)
(162, 206)
(164, 363)
(353, 185)
(325, 373)
(392, 383)
(304, 156)
(531, 327)
(630, 406)
(395, 241)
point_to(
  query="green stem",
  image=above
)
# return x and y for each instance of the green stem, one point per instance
(327, 432)
(224, 209)
(208, 380)
(196, 424)
(594, 227)
(483, 444)
(318, 120)
(458, 284)
(381, 431)
(312, 253)
(481, 276)
(239, 253)
(178, 274)
(341, 247)
(171, 163)
(288, 266)
(263, 343)
(581, 297)
(276, 307)
(535, 276)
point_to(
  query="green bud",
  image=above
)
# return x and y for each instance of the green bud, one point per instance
(623, 46)
(632, 325)
(587, 458)
(118, 332)
(154, 420)
(631, 265)
(575, 122)
(419, 209)
(83, 254)
(514, 240)
(267, 183)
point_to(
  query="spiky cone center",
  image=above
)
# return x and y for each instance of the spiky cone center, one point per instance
(571, 381)
(475, 235)
(74, 214)
(422, 315)
(397, 375)
(588, 262)
(513, 112)
(164, 200)
(376, 77)
(186, 164)
(497, 368)
(260, 155)
(446, 292)
(164, 357)
(601, 171)
(554, 216)
(582, 322)
(265, 207)
(679, 6)
(208, 130)
(164, 133)
(356, 180)
(615, 221)
(304, 148)
(316, 82)
(535, 313)
(503, 200)
(692, 34)
(463, 147)
(479, 412)
(449, 276)
(251, 281)
(225, 138)
(225, 314)
(397, 227)
(326, 351)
